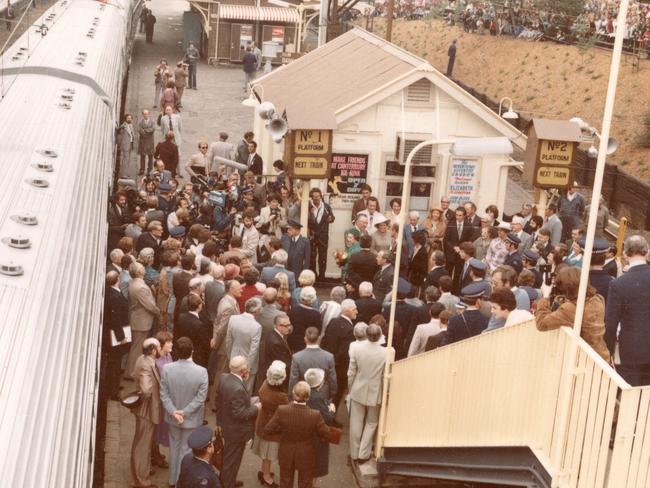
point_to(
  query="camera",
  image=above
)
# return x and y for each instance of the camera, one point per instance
(201, 183)
(275, 211)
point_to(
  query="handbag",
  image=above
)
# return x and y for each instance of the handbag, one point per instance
(335, 435)
(217, 456)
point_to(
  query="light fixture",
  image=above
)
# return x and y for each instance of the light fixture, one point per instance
(592, 152)
(251, 101)
(581, 123)
(508, 114)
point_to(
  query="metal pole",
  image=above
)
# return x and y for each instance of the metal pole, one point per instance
(322, 22)
(600, 163)
(389, 20)
(567, 384)
(390, 353)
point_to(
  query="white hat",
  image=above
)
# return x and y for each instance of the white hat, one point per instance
(314, 377)
(503, 225)
(518, 220)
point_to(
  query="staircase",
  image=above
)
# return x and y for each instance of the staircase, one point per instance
(516, 407)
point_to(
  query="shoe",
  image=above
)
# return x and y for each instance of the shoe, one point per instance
(362, 461)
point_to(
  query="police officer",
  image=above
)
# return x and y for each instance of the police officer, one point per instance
(471, 321)
(513, 259)
(196, 470)
(530, 259)
(477, 270)
(598, 278)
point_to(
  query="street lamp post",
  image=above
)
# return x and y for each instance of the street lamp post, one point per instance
(390, 352)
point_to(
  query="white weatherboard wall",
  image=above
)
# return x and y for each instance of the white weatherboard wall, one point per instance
(374, 131)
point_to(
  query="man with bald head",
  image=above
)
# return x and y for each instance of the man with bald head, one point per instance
(235, 416)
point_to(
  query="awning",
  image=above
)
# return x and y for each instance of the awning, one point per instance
(260, 14)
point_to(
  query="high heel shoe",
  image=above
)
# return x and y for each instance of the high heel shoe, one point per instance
(263, 482)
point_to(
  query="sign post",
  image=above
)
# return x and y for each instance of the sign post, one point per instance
(553, 163)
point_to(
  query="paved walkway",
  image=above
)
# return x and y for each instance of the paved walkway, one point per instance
(214, 107)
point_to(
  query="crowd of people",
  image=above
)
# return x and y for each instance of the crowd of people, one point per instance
(524, 19)
(219, 297)
(211, 305)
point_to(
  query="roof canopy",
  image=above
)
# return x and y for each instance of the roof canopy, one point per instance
(261, 14)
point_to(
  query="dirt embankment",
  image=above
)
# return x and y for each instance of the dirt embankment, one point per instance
(544, 79)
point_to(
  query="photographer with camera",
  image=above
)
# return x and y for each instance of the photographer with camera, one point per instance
(272, 219)
(199, 162)
(559, 308)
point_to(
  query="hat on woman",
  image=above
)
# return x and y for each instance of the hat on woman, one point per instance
(354, 232)
(314, 377)
(277, 373)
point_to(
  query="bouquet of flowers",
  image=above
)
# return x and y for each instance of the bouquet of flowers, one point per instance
(341, 257)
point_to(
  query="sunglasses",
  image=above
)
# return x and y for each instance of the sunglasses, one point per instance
(204, 147)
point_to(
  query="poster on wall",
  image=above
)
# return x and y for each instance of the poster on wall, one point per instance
(277, 35)
(463, 181)
(347, 173)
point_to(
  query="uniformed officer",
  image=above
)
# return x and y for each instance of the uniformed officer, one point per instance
(513, 259)
(530, 259)
(477, 270)
(598, 278)
(471, 321)
(196, 470)
(177, 232)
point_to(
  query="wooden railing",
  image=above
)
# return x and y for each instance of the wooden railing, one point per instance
(521, 387)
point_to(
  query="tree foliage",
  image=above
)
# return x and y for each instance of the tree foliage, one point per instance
(571, 8)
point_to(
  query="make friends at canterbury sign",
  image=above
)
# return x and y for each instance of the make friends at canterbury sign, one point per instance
(309, 153)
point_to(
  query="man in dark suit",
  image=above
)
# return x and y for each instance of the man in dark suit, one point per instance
(297, 248)
(254, 161)
(362, 203)
(235, 416)
(118, 218)
(116, 317)
(181, 282)
(195, 326)
(446, 211)
(513, 258)
(404, 313)
(611, 264)
(364, 262)
(367, 305)
(466, 253)
(318, 224)
(153, 239)
(473, 220)
(457, 231)
(628, 305)
(382, 282)
(438, 269)
(275, 347)
(337, 339)
(598, 277)
(471, 322)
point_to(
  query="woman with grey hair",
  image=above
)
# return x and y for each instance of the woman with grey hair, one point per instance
(306, 278)
(302, 317)
(147, 257)
(272, 395)
(317, 401)
(360, 334)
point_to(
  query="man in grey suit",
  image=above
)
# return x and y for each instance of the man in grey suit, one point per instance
(125, 140)
(243, 338)
(314, 357)
(171, 122)
(517, 227)
(142, 311)
(365, 372)
(553, 224)
(183, 391)
(241, 153)
(280, 258)
(270, 310)
(146, 147)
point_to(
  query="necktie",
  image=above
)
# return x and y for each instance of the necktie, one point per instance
(460, 230)
(415, 229)
(171, 127)
(243, 229)
(370, 220)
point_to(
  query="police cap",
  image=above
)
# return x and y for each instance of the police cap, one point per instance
(200, 437)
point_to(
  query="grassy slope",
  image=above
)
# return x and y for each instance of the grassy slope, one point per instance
(552, 81)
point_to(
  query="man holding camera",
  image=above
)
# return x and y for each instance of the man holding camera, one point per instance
(319, 220)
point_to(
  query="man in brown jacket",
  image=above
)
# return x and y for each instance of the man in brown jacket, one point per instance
(297, 425)
(180, 80)
(147, 414)
(142, 310)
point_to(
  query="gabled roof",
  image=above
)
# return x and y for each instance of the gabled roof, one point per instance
(337, 80)
(336, 74)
